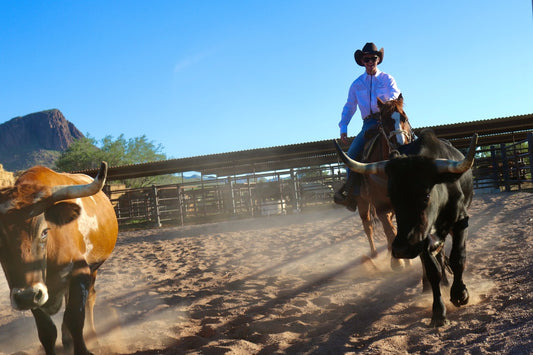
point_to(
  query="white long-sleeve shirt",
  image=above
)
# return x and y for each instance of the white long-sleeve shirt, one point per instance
(364, 92)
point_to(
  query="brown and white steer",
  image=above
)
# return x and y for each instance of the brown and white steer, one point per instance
(56, 229)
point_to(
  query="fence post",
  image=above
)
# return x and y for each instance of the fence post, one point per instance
(530, 150)
(297, 202)
(505, 166)
(233, 204)
(180, 203)
(495, 167)
(156, 206)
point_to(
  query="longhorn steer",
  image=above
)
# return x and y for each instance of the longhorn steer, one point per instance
(55, 231)
(430, 189)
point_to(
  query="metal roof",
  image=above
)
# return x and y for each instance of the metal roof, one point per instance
(492, 131)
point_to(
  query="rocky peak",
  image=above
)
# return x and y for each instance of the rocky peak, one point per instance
(40, 135)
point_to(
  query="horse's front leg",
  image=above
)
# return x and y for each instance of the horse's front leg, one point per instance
(458, 293)
(433, 272)
(390, 232)
(74, 316)
(364, 212)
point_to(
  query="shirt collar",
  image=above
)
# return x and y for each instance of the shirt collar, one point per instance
(377, 73)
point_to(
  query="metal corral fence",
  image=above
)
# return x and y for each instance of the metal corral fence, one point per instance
(504, 167)
(213, 199)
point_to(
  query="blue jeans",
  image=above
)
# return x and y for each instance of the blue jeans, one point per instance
(358, 144)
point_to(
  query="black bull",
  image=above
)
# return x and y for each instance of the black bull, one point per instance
(430, 187)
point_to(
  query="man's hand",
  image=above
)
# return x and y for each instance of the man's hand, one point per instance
(344, 138)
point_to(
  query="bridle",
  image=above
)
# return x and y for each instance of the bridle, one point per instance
(396, 116)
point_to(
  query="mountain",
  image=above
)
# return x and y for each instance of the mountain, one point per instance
(35, 139)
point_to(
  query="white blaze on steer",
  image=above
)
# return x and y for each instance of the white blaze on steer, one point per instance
(400, 138)
(86, 224)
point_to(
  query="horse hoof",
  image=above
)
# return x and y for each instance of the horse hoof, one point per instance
(374, 254)
(436, 323)
(396, 264)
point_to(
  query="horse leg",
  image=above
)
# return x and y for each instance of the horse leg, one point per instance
(390, 232)
(364, 213)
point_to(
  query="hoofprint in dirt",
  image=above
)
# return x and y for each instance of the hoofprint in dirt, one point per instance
(302, 284)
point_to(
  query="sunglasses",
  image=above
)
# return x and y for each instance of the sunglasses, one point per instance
(370, 59)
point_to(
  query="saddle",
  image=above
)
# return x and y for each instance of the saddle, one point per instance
(371, 140)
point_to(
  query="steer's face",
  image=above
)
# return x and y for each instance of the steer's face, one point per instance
(23, 245)
(410, 184)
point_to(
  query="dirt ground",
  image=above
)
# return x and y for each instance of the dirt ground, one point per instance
(302, 283)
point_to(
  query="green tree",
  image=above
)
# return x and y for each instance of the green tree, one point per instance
(87, 153)
(82, 154)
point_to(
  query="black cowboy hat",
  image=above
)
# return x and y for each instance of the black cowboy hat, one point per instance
(369, 48)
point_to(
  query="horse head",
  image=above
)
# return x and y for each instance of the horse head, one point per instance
(395, 121)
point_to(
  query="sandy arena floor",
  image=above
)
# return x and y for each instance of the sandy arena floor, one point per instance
(301, 284)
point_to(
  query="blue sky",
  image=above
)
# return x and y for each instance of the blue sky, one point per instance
(205, 77)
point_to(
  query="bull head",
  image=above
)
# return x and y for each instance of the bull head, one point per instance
(24, 233)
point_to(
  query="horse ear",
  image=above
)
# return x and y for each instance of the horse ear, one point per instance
(380, 103)
(400, 98)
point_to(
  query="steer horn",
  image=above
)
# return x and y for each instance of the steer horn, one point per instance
(66, 192)
(458, 167)
(361, 168)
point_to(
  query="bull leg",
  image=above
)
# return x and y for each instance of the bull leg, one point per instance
(458, 293)
(364, 213)
(46, 329)
(434, 273)
(74, 316)
(441, 258)
(89, 309)
(66, 338)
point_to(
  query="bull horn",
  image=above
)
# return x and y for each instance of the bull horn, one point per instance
(361, 168)
(459, 167)
(66, 192)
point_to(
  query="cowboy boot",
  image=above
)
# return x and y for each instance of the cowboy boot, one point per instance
(345, 195)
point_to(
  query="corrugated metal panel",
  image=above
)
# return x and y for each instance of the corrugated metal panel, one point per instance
(498, 130)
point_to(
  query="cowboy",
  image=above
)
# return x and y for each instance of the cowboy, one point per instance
(364, 93)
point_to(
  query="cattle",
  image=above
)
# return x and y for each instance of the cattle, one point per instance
(430, 186)
(56, 230)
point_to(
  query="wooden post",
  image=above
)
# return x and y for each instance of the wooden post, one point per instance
(250, 198)
(233, 206)
(505, 166)
(530, 151)
(495, 167)
(180, 204)
(296, 195)
(156, 206)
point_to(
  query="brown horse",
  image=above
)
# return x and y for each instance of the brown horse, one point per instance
(393, 131)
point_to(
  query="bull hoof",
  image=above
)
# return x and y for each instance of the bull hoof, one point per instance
(459, 295)
(440, 322)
